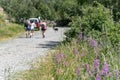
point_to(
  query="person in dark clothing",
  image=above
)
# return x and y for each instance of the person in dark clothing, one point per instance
(43, 28)
(27, 27)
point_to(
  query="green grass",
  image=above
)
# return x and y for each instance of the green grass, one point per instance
(40, 70)
(8, 30)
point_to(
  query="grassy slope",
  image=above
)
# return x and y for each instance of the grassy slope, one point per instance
(8, 30)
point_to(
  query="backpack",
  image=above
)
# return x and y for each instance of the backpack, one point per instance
(43, 26)
(25, 24)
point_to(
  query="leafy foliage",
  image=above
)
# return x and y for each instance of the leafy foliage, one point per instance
(54, 9)
(96, 21)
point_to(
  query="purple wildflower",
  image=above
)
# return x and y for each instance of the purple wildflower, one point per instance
(87, 67)
(75, 51)
(82, 55)
(61, 55)
(65, 63)
(80, 35)
(116, 73)
(110, 74)
(98, 77)
(96, 63)
(105, 69)
(58, 57)
(77, 71)
(85, 38)
(59, 70)
(92, 43)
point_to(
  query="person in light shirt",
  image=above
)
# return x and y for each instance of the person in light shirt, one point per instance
(33, 25)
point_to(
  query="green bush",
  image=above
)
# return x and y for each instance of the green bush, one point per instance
(96, 21)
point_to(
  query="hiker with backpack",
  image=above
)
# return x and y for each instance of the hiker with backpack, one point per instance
(43, 28)
(27, 28)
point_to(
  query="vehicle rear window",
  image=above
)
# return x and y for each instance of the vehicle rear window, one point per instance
(33, 20)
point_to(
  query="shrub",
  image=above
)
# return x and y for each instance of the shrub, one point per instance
(96, 21)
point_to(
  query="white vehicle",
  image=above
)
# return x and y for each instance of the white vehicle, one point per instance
(36, 21)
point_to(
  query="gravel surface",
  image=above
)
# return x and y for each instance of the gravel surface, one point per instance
(17, 53)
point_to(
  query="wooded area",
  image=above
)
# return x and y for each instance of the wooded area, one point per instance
(54, 9)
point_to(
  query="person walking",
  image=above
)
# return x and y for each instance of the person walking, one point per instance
(33, 25)
(43, 28)
(27, 28)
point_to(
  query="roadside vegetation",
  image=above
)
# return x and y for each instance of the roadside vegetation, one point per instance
(8, 29)
(90, 51)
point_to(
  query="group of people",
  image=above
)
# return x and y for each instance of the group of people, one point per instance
(30, 27)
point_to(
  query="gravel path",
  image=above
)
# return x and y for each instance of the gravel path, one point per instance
(15, 54)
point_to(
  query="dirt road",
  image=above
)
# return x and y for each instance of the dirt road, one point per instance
(17, 53)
